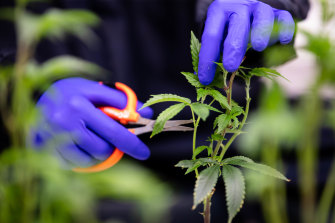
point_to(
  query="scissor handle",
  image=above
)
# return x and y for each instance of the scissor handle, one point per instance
(128, 114)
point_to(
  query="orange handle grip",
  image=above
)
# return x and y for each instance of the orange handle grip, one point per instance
(128, 114)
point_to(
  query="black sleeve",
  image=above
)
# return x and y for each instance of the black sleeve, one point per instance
(298, 8)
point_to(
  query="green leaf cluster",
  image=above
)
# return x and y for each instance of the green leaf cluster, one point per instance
(232, 177)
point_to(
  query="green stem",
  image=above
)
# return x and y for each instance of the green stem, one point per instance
(274, 197)
(327, 197)
(195, 123)
(307, 155)
(246, 112)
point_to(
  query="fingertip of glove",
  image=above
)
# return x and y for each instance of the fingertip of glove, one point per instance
(230, 67)
(143, 153)
(205, 81)
(206, 77)
(146, 112)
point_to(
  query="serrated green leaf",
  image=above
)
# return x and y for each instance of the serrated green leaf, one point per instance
(235, 189)
(199, 150)
(265, 72)
(201, 110)
(195, 49)
(236, 110)
(216, 137)
(201, 92)
(166, 115)
(236, 159)
(261, 168)
(165, 98)
(205, 161)
(192, 168)
(185, 163)
(222, 121)
(192, 79)
(205, 184)
(200, 162)
(220, 98)
(235, 122)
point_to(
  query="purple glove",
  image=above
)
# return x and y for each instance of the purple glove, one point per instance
(227, 29)
(69, 106)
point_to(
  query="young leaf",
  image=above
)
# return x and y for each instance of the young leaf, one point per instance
(236, 110)
(199, 150)
(201, 110)
(261, 168)
(205, 184)
(235, 189)
(222, 121)
(165, 98)
(192, 79)
(195, 49)
(165, 115)
(219, 97)
(201, 92)
(236, 122)
(185, 163)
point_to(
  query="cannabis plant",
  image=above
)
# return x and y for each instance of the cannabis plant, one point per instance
(228, 125)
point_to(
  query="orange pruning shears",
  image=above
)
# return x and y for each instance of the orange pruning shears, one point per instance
(129, 115)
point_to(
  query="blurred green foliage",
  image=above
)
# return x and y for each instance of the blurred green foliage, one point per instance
(278, 124)
(34, 186)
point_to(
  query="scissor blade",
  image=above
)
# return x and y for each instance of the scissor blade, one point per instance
(178, 128)
(148, 128)
(172, 123)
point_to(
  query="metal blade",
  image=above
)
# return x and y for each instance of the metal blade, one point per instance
(172, 123)
(178, 128)
(143, 121)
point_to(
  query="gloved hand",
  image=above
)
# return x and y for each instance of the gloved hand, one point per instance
(227, 30)
(69, 106)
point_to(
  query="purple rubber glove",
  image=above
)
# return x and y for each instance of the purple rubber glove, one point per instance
(227, 31)
(69, 106)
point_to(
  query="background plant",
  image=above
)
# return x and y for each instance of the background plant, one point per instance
(228, 124)
(34, 187)
(298, 132)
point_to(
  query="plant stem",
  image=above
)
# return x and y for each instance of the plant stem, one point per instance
(196, 124)
(207, 209)
(230, 89)
(246, 112)
(327, 197)
(307, 155)
(274, 197)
